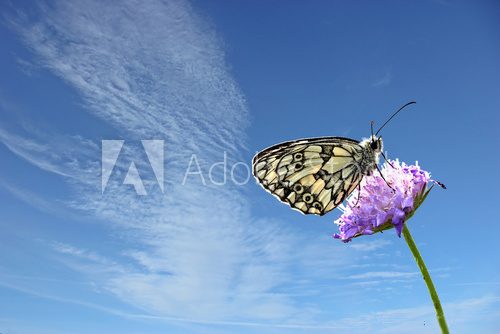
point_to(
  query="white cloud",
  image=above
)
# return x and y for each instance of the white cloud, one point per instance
(368, 246)
(29, 150)
(462, 315)
(383, 81)
(384, 274)
(423, 320)
(155, 70)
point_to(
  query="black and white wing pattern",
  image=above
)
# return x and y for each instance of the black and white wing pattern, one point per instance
(311, 175)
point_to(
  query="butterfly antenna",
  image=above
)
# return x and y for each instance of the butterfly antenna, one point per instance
(371, 126)
(412, 102)
(440, 184)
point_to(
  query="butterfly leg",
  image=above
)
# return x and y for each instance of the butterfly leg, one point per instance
(387, 160)
(359, 194)
(383, 178)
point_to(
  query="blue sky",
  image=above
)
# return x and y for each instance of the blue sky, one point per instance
(219, 78)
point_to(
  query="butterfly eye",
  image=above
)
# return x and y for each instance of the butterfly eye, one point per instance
(318, 206)
(297, 156)
(298, 166)
(298, 188)
(307, 198)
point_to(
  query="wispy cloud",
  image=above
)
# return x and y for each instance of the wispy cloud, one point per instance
(419, 319)
(156, 70)
(29, 150)
(384, 80)
(422, 319)
(368, 246)
(384, 274)
(67, 156)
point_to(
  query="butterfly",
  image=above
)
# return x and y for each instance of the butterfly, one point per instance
(315, 175)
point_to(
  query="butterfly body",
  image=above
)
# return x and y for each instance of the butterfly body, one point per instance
(315, 175)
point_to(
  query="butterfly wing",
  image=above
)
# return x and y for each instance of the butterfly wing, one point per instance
(311, 175)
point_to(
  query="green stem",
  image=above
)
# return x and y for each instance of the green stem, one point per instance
(427, 279)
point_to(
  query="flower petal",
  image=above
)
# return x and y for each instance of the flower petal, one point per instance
(381, 206)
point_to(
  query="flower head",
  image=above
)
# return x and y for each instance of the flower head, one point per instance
(377, 206)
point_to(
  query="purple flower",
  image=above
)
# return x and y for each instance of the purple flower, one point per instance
(377, 207)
